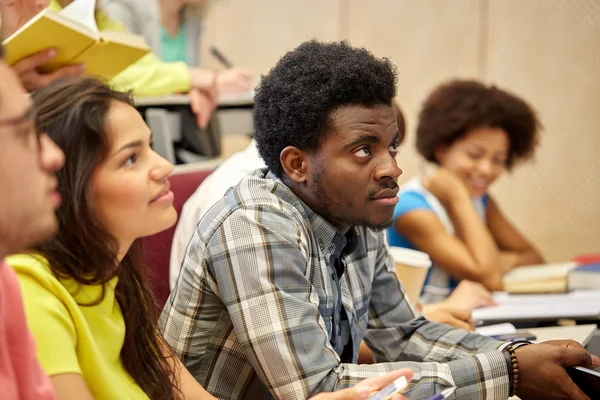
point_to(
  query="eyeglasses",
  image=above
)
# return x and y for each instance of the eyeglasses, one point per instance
(29, 118)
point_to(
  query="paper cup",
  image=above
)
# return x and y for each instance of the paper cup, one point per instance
(411, 269)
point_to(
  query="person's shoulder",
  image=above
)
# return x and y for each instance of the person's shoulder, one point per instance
(263, 189)
(35, 276)
(30, 264)
(259, 197)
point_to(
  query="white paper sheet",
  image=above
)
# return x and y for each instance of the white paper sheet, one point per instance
(82, 11)
(577, 304)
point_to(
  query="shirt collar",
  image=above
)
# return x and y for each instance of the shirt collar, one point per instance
(331, 241)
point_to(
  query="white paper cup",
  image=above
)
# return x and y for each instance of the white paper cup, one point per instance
(411, 269)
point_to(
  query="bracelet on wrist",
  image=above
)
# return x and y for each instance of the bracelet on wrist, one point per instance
(514, 375)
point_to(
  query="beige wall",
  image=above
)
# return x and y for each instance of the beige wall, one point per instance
(546, 51)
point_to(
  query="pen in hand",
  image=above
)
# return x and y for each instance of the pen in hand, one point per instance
(442, 396)
(219, 56)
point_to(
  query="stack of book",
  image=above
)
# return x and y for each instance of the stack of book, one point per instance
(553, 278)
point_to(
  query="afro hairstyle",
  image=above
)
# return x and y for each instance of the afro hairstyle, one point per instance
(457, 107)
(295, 100)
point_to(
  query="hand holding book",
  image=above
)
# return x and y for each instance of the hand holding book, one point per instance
(75, 37)
(31, 78)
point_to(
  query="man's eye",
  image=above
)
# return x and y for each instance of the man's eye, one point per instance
(363, 152)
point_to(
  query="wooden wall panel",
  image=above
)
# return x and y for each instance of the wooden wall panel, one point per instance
(257, 33)
(429, 41)
(549, 52)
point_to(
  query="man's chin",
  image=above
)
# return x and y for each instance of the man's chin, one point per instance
(378, 227)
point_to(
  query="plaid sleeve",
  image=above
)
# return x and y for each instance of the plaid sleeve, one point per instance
(471, 363)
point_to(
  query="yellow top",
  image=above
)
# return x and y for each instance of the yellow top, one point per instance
(149, 76)
(74, 338)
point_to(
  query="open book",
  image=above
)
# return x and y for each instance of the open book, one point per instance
(75, 36)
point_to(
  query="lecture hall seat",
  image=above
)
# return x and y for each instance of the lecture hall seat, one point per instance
(157, 248)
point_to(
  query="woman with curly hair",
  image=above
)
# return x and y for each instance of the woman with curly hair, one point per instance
(474, 133)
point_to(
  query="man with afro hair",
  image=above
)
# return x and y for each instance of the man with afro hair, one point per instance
(290, 270)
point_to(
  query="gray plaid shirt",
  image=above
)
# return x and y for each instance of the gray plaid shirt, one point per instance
(254, 313)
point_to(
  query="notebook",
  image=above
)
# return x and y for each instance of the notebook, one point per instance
(75, 36)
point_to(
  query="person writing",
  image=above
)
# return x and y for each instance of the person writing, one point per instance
(173, 29)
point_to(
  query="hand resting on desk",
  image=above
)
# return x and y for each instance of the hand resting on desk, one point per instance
(542, 370)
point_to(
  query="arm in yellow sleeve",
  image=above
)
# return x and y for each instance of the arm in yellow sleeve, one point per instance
(150, 76)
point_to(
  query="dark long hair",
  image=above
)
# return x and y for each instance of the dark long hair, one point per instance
(73, 113)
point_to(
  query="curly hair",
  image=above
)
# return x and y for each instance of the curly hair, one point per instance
(460, 106)
(294, 101)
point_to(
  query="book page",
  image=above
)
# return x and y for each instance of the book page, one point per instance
(82, 11)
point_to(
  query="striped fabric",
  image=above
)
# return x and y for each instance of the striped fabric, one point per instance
(253, 314)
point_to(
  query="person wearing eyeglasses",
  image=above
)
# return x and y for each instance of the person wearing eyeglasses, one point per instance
(28, 162)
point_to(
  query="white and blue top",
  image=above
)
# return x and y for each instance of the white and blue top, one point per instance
(413, 196)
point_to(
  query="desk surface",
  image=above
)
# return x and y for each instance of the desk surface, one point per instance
(578, 333)
(245, 99)
(230, 144)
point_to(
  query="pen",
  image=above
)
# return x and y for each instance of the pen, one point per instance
(443, 395)
(219, 56)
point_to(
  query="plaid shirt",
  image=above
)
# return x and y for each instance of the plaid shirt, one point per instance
(254, 313)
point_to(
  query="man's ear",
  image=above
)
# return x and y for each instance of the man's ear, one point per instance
(294, 162)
